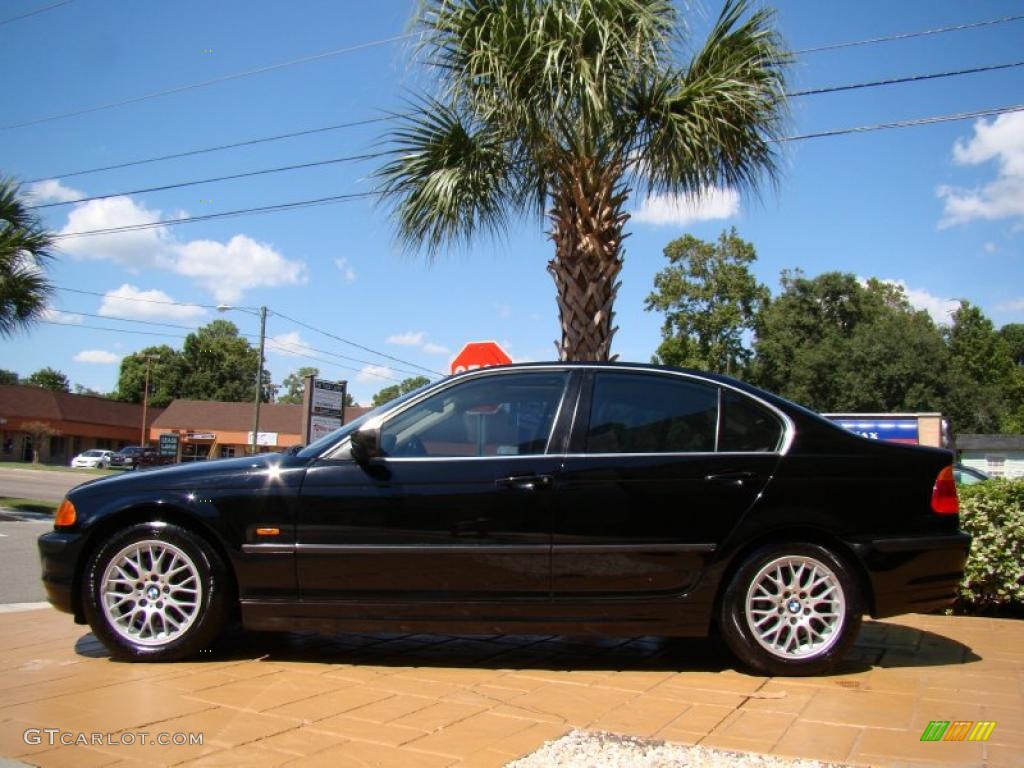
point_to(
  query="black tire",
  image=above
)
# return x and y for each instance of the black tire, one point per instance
(155, 615)
(803, 629)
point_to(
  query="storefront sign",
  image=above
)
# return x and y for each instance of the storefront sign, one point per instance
(263, 438)
(169, 444)
(322, 425)
(890, 430)
(201, 436)
(328, 397)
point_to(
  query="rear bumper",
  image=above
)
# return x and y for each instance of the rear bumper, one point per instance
(58, 552)
(914, 574)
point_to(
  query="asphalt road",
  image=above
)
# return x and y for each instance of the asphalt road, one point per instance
(19, 562)
(40, 483)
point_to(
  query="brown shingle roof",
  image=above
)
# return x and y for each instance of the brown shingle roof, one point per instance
(230, 417)
(237, 417)
(25, 402)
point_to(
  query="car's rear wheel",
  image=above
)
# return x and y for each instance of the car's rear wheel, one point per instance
(155, 592)
(791, 609)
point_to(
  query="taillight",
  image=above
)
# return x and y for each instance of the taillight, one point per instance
(66, 515)
(944, 498)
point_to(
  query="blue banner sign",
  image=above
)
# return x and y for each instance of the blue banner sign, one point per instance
(893, 430)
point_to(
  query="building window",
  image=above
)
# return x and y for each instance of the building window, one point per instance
(996, 465)
(104, 444)
(227, 451)
(195, 452)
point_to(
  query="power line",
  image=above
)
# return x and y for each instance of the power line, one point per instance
(278, 314)
(44, 9)
(221, 215)
(908, 79)
(195, 182)
(296, 352)
(284, 346)
(206, 83)
(907, 35)
(908, 123)
(219, 148)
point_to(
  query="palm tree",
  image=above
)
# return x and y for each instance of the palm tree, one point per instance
(561, 108)
(24, 248)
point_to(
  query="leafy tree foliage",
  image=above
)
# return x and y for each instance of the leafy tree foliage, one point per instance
(559, 109)
(81, 389)
(294, 383)
(710, 300)
(8, 377)
(395, 390)
(215, 363)
(49, 378)
(25, 248)
(833, 343)
(981, 373)
(165, 369)
(1013, 335)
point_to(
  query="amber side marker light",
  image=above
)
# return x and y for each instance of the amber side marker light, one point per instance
(268, 531)
(66, 515)
(944, 498)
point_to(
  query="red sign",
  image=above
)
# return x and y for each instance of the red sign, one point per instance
(479, 354)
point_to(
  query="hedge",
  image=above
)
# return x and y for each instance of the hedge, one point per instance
(993, 513)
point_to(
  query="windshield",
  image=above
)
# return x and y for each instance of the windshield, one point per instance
(93, 453)
(332, 438)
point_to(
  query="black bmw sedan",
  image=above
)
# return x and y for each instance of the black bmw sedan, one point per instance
(616, 499)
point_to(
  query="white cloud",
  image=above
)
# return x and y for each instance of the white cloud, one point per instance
(683, 210)
(1015, 305)
(407, 339)
(991, 248)
(940, 309)
(50, 191)
(129, 301)
(56, 316)
(346, 270)
(289, 344)
(1002, 140)
(435, 349)
(225, 270)
(100, 356)
(228, 270)
(375, 373)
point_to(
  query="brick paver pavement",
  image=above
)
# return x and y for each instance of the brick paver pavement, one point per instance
(435, 700)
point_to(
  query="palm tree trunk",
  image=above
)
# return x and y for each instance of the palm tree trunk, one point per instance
(587, 221)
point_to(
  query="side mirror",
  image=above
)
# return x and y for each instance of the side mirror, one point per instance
(365, 444)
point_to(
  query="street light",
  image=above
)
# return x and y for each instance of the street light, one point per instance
(262, 313)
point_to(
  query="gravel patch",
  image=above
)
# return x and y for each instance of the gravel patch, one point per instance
(581, 749)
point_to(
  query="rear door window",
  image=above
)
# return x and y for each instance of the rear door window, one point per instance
(648, 413)
(747, 426)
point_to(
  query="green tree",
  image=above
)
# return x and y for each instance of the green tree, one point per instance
(1013, 335)
(835, 344)
(710, 299)
(165, 376)
(81, 389)
(218, 364)
(560, 109)
(24, 252)
(49, 378)
(395, 390)
(40, 432)
(295, 383)
(8, 377)
(981, 373)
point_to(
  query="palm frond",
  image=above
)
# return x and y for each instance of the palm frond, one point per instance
(717, 121)
(449, 178)
(25, 246)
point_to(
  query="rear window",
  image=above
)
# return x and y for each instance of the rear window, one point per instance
(747, 426)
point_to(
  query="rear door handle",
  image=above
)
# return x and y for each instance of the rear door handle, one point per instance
(734, 479)
(525, 483)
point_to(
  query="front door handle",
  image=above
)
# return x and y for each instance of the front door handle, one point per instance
(732, 479)
(525, 483)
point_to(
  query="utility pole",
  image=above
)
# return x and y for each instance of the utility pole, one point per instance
(145, 398)
(259, 379)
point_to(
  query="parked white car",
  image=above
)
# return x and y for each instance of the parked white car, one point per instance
(92, 459)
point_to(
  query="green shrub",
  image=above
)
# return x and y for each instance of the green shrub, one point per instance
(993, 513)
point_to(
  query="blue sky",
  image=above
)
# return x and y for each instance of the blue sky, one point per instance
(939, 208)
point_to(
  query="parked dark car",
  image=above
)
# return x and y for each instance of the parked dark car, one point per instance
(135, 456)
(567, 498)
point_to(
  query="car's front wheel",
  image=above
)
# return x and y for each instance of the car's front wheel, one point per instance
(155, 592)
(791, 609)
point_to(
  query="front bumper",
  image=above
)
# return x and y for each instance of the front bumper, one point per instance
(59, 551)
(914, 574)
